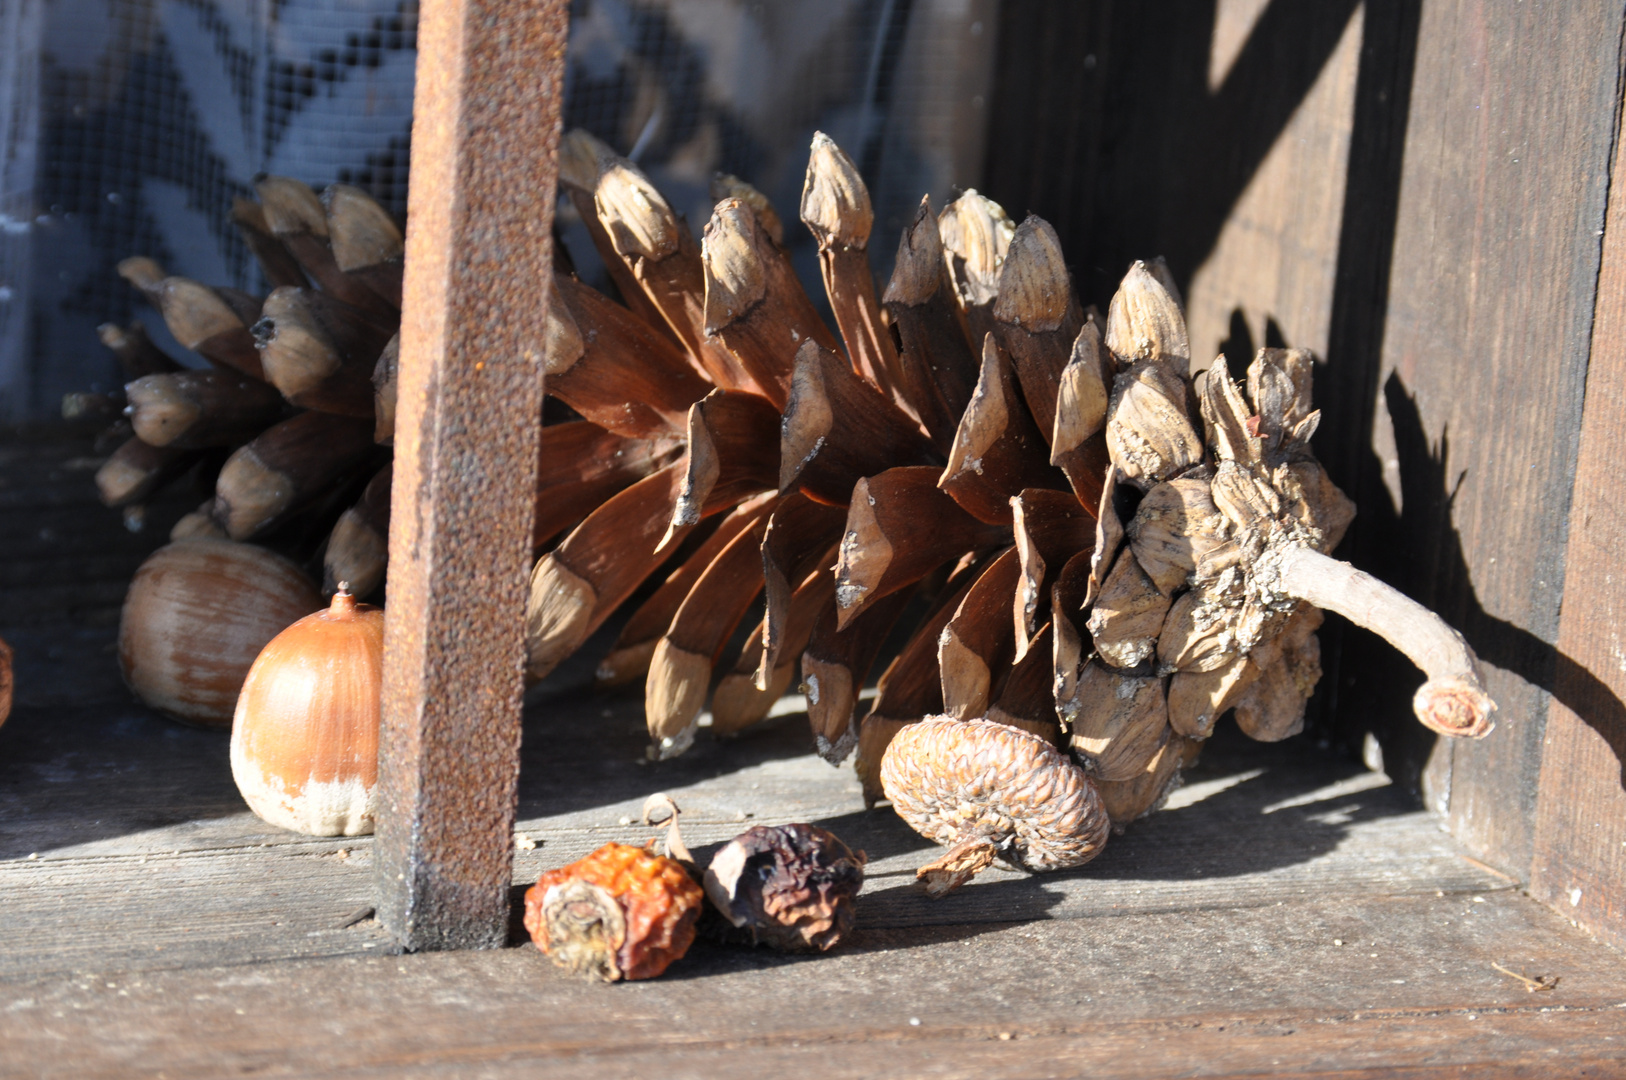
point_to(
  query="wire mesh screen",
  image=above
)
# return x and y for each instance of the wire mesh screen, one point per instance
(153, 114)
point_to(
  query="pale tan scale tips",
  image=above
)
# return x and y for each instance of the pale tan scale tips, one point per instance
(362, 232)
(562, 343)
(291, 207)
(580, 155)
(1145, 322)
(736, 279)
(918, 270)
(976, 234)
(142, 272)
(835, 202)
(729, 186)
(557, 616)
(194, 313)
(959, 780)
(639, 220)
(1034, 288)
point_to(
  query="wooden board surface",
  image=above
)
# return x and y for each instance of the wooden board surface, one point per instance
(161, 929)
(113, 820)
(1324, 986)
(1580, 845)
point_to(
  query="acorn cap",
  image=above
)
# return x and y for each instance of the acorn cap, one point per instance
(984, 790)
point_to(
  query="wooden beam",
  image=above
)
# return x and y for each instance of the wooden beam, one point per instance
(479, 254)
(1580, 846)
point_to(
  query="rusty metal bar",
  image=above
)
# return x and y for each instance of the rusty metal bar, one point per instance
(485, 138)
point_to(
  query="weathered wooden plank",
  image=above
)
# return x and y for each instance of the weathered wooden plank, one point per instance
(142, 840)
(1324, 987)
(479, 257)
(1580, 846)
(1487, 322)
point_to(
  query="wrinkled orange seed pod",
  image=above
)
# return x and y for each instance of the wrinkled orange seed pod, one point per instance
(620, 913)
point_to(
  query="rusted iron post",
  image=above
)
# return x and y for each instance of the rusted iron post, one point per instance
(485, 138)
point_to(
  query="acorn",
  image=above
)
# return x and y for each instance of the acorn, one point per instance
(197, 614)
(620, 913)
(788, 886)
(304, 739)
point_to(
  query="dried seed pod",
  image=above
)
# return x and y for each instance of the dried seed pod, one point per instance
(136, 470)
(136, 353)
(196, 409)
(985, 790)
(304, 737)
(1271, 707)
(788, 886)
(213, 322)
(837, 211)
(358, 549)
(1197, 699)
(197, 615)
(1149, 432)
(620, 913)
(1128, 614)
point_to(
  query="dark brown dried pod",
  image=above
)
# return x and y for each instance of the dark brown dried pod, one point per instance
(789, 886)
(986, 791)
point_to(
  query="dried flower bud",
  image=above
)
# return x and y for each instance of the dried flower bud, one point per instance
(620, 913)
(789, 886)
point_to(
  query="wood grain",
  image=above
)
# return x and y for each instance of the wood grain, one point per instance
(1488, 319)
(1580, 830)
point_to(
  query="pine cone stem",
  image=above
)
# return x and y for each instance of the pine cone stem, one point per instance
(1453, 701)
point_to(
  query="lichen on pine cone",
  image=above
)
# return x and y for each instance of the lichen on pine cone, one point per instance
(620, 913)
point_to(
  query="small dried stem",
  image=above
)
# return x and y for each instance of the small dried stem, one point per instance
(1453, 701)
(956, 866)
(654, 815)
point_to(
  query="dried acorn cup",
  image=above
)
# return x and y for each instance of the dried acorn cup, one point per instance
(788, 886)
(987, 791)
(622, 912)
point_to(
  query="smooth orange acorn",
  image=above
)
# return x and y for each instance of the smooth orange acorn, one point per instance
(304, 741)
